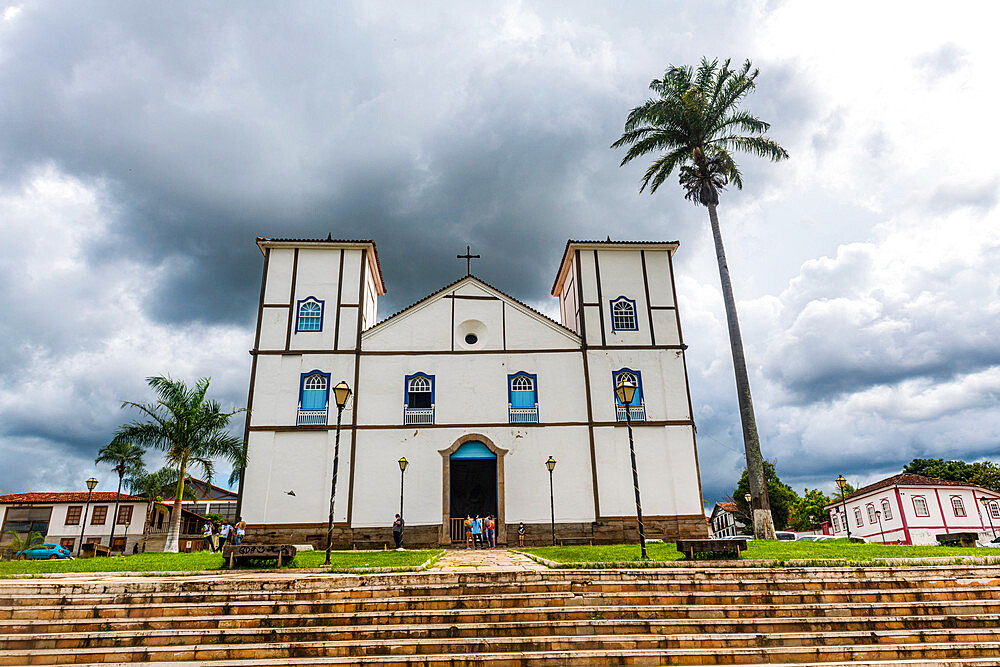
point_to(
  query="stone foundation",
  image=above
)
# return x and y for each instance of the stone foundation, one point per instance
(609, 530)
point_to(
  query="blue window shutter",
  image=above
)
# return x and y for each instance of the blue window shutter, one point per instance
(313, 399)
(522, 399)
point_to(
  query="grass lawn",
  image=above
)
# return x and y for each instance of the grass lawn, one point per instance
(760, 549)
(204, 560)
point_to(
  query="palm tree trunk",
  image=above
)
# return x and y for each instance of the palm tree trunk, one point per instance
(174, 530)
(114, 515)
(763, 523)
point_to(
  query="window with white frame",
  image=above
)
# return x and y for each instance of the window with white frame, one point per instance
(418, 405)
(886, 510)
(314, 397)
(871, 512)
(623, 315)
(995, 509)
(920, 506)
(836, 523)
(957, 505)
(858, 519)
(522, 398)
(636, 410)
(310, 315)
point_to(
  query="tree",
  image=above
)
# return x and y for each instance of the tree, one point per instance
(783, 497)
(980, 473)
(191, 429)
(124, 457)
(18, 545)
(153, 486)
(809, 510)
(695, 123)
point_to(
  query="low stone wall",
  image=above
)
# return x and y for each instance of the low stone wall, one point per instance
(609, 530)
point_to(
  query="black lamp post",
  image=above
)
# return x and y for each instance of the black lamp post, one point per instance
(878, 515)
(986, 507)
(551, 465)
(625, 392)
(402, 469)
(843, 499)
(91, 483)
(340, 394)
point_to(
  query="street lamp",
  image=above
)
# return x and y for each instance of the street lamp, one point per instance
(91, 483)
(878, 515)
(341, 393)
(986, 507)
(551, 465)
(841, 482)
(626, 392)
(402, 468)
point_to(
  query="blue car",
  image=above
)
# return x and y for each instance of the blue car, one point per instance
(44, 552)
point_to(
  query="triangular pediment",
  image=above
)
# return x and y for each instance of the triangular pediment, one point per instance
(468, 315)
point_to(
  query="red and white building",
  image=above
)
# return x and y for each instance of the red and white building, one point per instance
(62, 518)
(913, 509)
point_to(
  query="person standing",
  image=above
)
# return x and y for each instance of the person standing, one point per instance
(477, 532)
(224, 534)
(491, 532)
(206, 537)
(397, 531)
(520, 534)
(241, 531)
(468, 532)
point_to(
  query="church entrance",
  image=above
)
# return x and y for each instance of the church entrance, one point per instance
(472, 475)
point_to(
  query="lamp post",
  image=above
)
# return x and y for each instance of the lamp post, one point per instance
(340, 394)
(843, 499)
(402, 469)
(91, 483)
(551, 465)
(986, 507)
(626, 392)
(878, 515)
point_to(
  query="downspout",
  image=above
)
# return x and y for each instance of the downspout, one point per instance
(902, 516)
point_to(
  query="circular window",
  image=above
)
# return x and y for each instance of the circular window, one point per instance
(471, 339)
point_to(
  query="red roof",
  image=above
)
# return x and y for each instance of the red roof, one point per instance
(729, 507)
(67, 497)
(908, 479)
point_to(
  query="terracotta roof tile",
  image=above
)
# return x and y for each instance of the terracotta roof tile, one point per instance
(906, 479)
(729, 507)
(67, 497)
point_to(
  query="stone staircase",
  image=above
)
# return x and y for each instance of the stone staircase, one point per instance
(682, 616)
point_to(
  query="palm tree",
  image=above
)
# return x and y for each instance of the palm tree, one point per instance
(124, 457)
(191, 429)
(694, 123)
(153, 486)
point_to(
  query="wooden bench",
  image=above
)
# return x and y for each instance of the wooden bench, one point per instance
(691, 547)
(563, 541)
(957, 539)
(259, 552)
(370, 545)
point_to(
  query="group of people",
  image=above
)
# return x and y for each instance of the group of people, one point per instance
(215, 535)
(480, 533)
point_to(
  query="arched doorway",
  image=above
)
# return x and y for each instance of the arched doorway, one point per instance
(473, 484)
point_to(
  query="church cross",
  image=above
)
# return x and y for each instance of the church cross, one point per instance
(468, 257)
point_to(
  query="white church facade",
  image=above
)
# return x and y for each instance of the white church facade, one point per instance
(476, 390)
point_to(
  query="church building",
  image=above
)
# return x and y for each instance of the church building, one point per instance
(476, 390)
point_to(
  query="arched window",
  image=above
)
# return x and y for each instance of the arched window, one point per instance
(871, 512)
(419, 399)
(623, 315)
(314, 395)
(637, 408)
(858, 519)
(886, 510)
(310, 315)
(522, 398)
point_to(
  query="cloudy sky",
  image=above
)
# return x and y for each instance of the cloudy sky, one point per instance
(145, 145)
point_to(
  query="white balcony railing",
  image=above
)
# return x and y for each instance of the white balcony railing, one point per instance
(311, 417)
(418, 415)
(524, 415)
(636, 413)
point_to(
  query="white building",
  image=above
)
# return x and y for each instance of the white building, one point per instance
(913, 509)
(60, 518)
(724, 522)
(476, 390)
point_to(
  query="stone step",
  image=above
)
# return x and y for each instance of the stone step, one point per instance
(665, 649)
(820, 612)
(780, 630)
(695, 598)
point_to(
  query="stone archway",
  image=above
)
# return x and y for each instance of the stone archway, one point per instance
(445, 535)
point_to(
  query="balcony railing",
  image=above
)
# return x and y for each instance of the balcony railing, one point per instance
(311, 417)
(523, 415)
(636, 413)
(418, 415)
